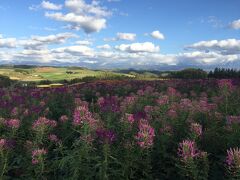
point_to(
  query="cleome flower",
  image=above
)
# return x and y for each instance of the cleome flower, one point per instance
(233, 158)
(38, 155)
(43, 123)
(145, 134)
(187, 150)
(13, 123)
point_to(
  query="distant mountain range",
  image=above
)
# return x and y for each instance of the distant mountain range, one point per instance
(121, 65)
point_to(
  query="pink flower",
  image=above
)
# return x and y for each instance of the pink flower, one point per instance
(233, 120)
(196, 129)
(171, 91)
(3, 144)
(83, 115)
(53, 138)
(145, 134)
(43, 124)
(63, 118)
(187, 150)
(130, 118)
(163, 100)
(38, 155)
(14, 111)
(225, 84)
(172, 113)
(233, 158)
(13, 123)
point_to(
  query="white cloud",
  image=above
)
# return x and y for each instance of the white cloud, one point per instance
(139, 47)
(50, 6)
(35, 42)
(89, 17)
(89, 24)
(113, 0)
(105, 46)
(7, 42)
(84, 42)
(235, 24)
(81, 7)
(126, 36)
(228, 46)
(38, 42)
(157, 35)
(76, 50)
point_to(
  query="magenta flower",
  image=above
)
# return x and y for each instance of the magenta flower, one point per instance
(233, 120)
(172, 113)
(43, 124)
(130, 118)
(83, 116)
(63, 118)
(14, 112)
(225, 84)
(38, 155)
(53, 138)
(145, 134)
(13, 123)
(187, 150)
(106, 136)
(233, 158)
(171, 91)
(163, 100)
(3, 144)
(196, 129)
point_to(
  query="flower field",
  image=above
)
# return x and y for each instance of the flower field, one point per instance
(175, 129)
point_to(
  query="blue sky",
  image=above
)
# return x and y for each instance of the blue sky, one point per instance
(120, 33)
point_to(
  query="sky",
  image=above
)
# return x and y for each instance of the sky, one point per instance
(121, 33)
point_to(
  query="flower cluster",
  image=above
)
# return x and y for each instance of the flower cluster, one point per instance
(233, 158)
(187, 150)
(145, 135)
(225, 84)
(196, 129)
(83, 116)
(233, 120)
(106, 136)
(43, 123)
(3, 144)
(13, 123)
(38, 155)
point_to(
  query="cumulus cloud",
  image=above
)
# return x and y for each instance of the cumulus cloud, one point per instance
(38, 42)
(228, 46)
(7, 42)
(126, 36)
(138, 47)
(235, 24)
(35, 42)
(122, 36)
(81, 7)
(84, 42)
(51, 6)
(157, 35)
(76, 50)
(89, 24)
(82, 16)
(105, 46)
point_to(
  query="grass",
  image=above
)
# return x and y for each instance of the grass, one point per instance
(54, 74)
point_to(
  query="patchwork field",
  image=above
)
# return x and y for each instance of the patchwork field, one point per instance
(53, 73)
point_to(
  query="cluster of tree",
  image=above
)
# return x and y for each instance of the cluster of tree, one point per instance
(189, 74)
(221, 73)
(5, 81)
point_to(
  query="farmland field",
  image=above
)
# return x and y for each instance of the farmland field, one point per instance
(36, 74)
(176, 129)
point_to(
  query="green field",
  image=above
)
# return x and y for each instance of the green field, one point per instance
(55, 74)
